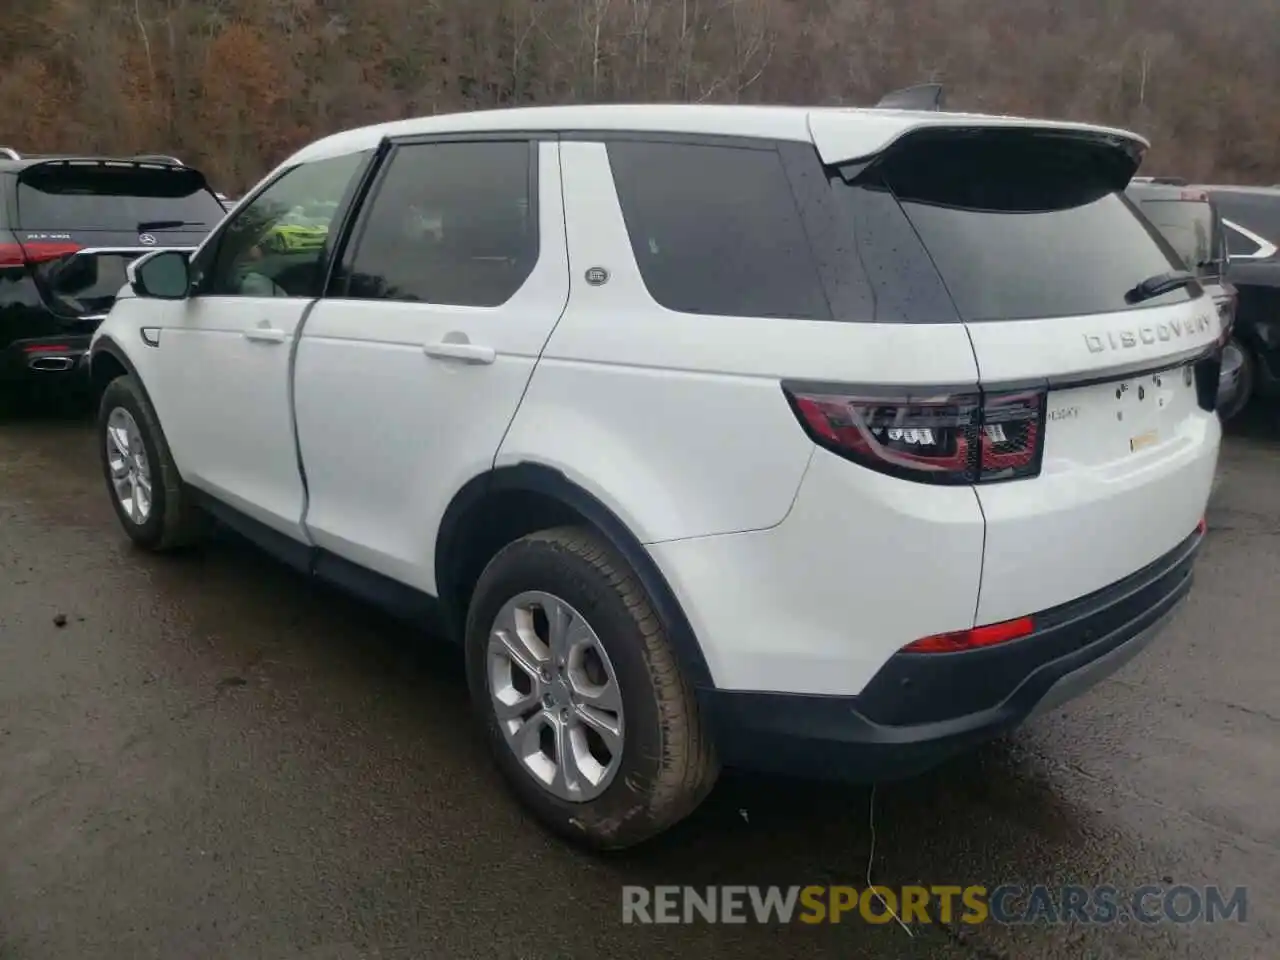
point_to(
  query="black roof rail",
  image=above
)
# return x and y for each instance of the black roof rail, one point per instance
(11, 153)
(923, 96)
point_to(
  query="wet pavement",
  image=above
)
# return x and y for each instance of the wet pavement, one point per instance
(210, 757)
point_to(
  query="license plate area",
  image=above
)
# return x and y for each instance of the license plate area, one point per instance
(1142, 405)
(1106, 422)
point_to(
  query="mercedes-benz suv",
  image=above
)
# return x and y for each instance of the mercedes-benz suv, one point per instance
(68, 227)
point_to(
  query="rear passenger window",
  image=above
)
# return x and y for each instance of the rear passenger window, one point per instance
(715, 230)
(450, 223)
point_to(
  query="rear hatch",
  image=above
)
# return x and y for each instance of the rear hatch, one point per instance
(81, 222)
(1095, 351)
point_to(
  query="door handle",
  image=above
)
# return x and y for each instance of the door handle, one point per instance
(460, 350)
(264, 334)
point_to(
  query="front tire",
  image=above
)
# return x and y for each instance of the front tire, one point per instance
(150, 500)
(588, 714)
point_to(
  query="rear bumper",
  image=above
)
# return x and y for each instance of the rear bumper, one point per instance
(920, 709)
(45, 359)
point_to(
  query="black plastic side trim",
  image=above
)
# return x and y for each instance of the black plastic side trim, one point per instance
(400, 601)
(912, 716)
(914, 688)
(288, 551)
(467, 509)
(105, 344)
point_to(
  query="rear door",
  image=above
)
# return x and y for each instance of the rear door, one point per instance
(1046, 261)
(409, 371)
(83, 221)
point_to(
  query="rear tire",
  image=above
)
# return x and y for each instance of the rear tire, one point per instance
(665, 765)
(1248, 379)
(164, 518)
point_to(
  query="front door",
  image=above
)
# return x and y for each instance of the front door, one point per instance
(223, 391)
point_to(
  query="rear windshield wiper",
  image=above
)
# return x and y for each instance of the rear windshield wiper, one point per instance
(169, 224)
(1159, 285)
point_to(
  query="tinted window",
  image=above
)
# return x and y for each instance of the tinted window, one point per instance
(275, 246)
(716, 230)
(125, 199)
(450, 223)
(1257, 212)
(1238, 245)
(1187, 225)
(1026, 227)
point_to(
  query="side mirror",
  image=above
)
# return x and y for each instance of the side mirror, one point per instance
(164, 275)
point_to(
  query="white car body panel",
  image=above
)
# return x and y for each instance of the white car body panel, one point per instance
(678, 422)
(222, 394)
(1127, 463)
(385, 454)
(862, 565)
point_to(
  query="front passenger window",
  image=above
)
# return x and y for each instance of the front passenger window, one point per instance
(276, 246)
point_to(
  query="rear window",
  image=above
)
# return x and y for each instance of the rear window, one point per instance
(127, 199)
(1188, 226)
(1024, 227)
(715, 230)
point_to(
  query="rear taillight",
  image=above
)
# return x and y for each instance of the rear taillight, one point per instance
(943, 438)
(974, 639)
(20, 254)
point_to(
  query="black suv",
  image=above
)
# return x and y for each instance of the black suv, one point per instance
(68, 228)
(1251, 216)
(1190, 221)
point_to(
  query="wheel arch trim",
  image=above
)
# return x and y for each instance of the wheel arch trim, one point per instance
(546, 481)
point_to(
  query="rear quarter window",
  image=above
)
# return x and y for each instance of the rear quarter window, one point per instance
(716, 230)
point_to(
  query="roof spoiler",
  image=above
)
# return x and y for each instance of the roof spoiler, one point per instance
(923, 96)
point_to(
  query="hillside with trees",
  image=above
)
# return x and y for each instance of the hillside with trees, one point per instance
(234, 85)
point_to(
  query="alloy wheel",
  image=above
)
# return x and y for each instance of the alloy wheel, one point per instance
(555, 695)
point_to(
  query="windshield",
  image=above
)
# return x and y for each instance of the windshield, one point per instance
(1188, 226)
(118, 199)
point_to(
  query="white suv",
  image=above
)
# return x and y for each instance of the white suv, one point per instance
(811, 440)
